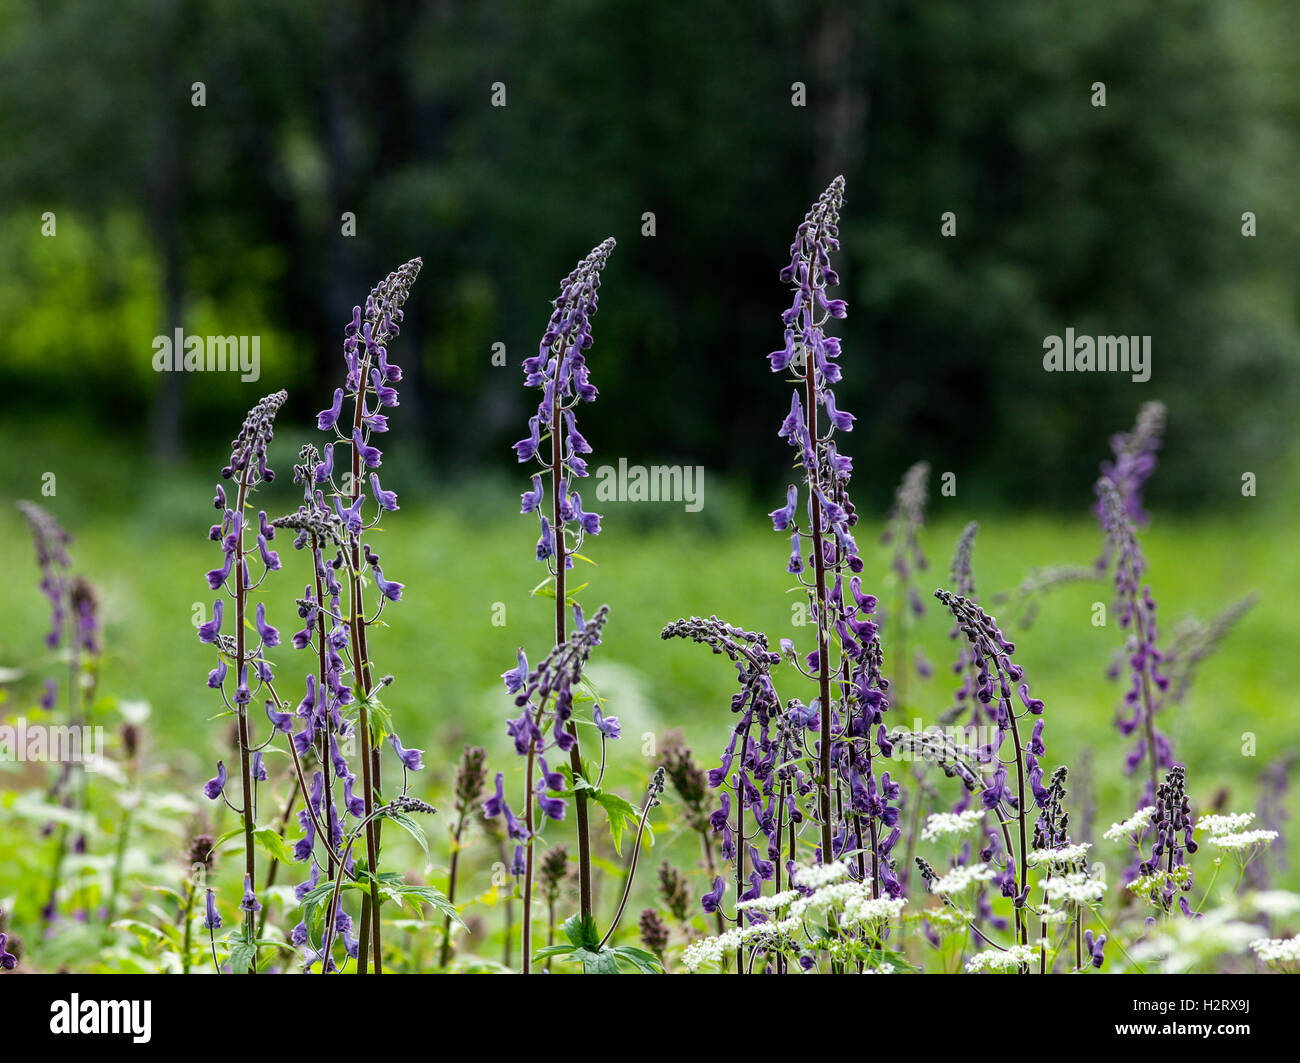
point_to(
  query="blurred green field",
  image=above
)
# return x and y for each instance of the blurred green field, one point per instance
(462, 551)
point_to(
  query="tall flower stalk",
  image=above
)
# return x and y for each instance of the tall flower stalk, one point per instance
(74, 629)
(370, 376)
(811, 354)
(560, 370)
(248, 469)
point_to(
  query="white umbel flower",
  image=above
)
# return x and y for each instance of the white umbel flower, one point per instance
(1239, 843)
(960, 879)
(1135, 824)
(1066, 856)
(1229, 824)
(814, 876)
(1001, 959)
(1075, 886)
(942, 824)
(1277, 950)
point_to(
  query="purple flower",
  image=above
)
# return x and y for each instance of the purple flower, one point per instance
(371, 457)
(8, 961)
(387, 499)
(781, 518)
(608, 726)
(280, 721)
(214, 787)
(390, 589)
(351, 515)
(269, 635)
(326, 419)
(211, 921)
(250, 902)
(711, 900)
(530, 500)
(527, 446)
(516, 677)
(411, 758)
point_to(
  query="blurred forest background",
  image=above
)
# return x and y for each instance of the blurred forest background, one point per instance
(225, 219)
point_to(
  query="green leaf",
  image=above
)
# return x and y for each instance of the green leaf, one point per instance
(545, 589)
(643, 961)
(413, 896)
(412, 828)
(582, 932)
(241, 956)
(272, 844)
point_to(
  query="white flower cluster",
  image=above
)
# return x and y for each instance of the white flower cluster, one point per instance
(960, 879)
(710, 951)
(1075, 886)
(1228, 824)
(815, 876)
(1135, 824)
(1066, 856)
(1277, 950)
(1275, 903)
(1180, 946)
(941, 824)
(1239, 843)
(1001, 959)
(852, 902)
(768, 904)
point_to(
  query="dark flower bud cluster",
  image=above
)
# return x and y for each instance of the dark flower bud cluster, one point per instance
(688, 779)
(471, 777)
(1052, 831)
(674, 891)
(552, 870)
(654, 931)
(1173, 826)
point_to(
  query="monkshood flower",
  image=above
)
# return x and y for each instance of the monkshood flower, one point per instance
(757, 767)
(996, 677)
(51, 543)
(903, 523)
(248, 469)
(332, 523)
(559, 370)
(1137, 616)
(1133, 464)
(546, 695)
(8, 961)
(819, 520)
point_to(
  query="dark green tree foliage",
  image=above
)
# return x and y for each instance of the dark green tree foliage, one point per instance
(1123, 219)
